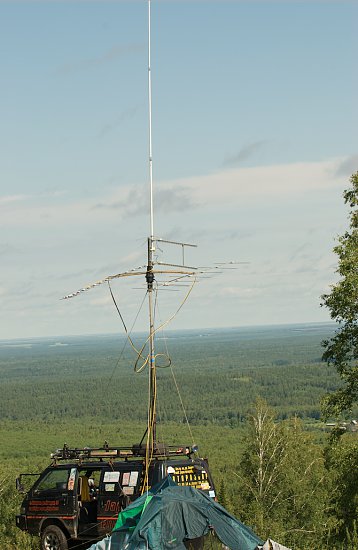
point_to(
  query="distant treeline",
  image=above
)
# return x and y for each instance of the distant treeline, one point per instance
(219, 374)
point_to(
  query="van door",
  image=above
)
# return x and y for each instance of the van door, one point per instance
(87, 496)
(118, 487)
(54, 496)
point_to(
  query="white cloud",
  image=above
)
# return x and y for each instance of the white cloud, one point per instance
(259, 182)
(348, 166)
(282, 219)
(227, 186)
(8, 199)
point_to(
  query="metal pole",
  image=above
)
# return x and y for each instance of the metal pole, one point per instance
(150, 123)
(151, 250)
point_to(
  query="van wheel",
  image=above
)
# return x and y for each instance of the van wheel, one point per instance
(53, 538)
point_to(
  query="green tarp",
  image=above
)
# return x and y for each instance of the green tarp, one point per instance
(131, 515)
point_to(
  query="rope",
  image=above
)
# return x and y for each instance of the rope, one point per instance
(182, 405)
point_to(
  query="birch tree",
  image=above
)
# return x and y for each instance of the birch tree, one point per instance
(281, 474)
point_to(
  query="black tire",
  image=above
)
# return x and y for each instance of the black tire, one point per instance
(53, 538)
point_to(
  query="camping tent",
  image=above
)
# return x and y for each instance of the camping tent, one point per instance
(168, 514)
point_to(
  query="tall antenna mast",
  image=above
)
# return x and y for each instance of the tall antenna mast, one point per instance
(176, 271)
(151, 428)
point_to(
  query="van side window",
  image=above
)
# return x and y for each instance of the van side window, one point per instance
(55, 480)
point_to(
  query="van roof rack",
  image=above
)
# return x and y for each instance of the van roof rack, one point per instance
(109, 452)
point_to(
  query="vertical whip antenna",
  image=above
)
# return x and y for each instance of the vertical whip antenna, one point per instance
(150, 123)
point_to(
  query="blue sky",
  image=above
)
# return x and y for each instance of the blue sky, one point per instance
(254, 139)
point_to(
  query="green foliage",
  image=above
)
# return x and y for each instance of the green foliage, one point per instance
(341, 351)
(11, 538)
(282, 481)
(342, 463)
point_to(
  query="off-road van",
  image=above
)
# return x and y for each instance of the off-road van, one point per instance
(78, 497)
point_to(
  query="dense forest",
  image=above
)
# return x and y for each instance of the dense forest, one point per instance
(83, 391)
(227, 369)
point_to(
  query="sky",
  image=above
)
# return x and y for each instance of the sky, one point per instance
(254, 140)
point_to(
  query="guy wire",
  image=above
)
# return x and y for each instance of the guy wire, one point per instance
(125, 328)
(178, 390)
(123, 323)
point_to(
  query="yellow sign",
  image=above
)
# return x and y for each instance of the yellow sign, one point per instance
(190, 476)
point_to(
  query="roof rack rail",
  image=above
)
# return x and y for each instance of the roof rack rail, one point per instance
(109, 452)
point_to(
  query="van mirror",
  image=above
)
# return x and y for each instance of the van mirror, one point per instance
(19, 485)
(24, 482)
